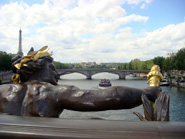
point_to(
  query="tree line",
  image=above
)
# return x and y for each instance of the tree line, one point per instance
(173, 62)
(59, 65)
(5, 61)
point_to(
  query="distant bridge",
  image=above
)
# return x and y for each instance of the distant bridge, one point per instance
(90, 72)
(6, 76)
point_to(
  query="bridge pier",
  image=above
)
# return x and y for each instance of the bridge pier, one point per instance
(89, 77)
(122, 77)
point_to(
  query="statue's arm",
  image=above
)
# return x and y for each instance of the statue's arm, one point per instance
(113, 98)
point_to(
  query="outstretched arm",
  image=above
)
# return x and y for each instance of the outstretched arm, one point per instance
(73, 98)
(45, 99)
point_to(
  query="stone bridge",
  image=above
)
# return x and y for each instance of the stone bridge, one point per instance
(6, 76)
(90, 72)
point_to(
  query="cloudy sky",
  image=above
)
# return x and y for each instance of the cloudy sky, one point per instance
(94, 30)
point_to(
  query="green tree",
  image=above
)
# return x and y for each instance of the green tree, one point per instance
(149, 64)
(130, 65)
(135, 64)
(180, 59)
(117, 67)
(59, 65)
(77, 66)
(5, 61)
(143, 65)
(159, 61)
(169, 63)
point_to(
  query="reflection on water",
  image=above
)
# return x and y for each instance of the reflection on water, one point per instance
(177, 97)
(177, 103)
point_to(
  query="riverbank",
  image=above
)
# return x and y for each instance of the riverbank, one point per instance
(176, 83)
(176, 77)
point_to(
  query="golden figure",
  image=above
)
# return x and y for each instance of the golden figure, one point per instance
(154, 76)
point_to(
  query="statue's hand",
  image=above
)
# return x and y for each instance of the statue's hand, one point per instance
(157, 112)
(152, 93)
(161, 111)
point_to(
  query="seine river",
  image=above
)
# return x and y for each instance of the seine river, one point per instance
(177, 97)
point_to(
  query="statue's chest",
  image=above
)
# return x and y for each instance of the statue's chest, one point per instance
(38, 101)
(11, 100)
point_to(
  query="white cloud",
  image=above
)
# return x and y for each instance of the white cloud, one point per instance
(12, 14)
(160, 41)
(136, 2)
(144, 3)
(62, 3)
(133, 17)
(85, 30)
(143, 6)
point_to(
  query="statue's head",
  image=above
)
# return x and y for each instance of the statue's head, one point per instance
(37, 65)
(155, 68)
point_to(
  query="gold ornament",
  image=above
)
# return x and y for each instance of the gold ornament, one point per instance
(154, 76)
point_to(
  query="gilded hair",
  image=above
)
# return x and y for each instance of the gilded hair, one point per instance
(30, 63)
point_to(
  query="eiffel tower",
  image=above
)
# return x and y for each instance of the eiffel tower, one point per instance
(20, 43)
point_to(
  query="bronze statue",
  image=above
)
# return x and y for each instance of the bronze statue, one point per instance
(36, 92)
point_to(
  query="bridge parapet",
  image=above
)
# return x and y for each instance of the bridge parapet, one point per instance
(44, 128)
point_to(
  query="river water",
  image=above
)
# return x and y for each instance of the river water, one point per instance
(177, 97)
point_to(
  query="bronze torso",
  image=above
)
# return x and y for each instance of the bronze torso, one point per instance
(30, 99)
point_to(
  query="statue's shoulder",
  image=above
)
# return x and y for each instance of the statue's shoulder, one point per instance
(11, 86)
(35, 83)
(35, 87)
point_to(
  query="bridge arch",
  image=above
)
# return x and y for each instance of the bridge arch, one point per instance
(112, 72)
(69, 71)
(112, 75)
(74, 75)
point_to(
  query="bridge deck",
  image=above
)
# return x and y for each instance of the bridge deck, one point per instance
(32, 127)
